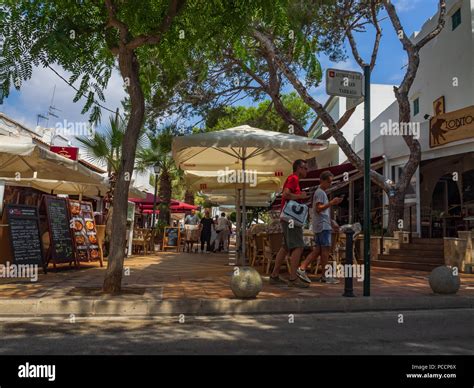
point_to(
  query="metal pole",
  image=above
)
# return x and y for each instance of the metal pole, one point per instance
(367, 181)
(239, 228)
(348, 280)
(244, 214)
(154, 203)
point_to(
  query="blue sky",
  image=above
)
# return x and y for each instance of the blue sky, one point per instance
(35, 94)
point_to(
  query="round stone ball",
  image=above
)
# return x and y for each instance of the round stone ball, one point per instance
(246, 282)
(443, 281)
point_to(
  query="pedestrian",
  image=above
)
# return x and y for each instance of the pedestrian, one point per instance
(293, 243)
(222, 230)
(322, 228)
(192, 218)
(207, 224)
(230, 230)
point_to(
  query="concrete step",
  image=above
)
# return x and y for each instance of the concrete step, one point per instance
(429, 241)
(412, 259)
(425, 247)
(436, 253)
(404, 265)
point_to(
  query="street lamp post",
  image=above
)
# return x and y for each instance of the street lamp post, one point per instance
(156, 169)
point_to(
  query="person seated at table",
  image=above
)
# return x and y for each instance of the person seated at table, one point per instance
(207, 223)
(322, 228)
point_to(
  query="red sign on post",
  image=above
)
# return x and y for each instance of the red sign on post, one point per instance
(67, 152)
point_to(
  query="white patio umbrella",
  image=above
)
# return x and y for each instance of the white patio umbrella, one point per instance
(23, 163)
(244, 148)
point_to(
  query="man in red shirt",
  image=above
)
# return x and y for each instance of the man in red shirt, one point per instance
(293, 242)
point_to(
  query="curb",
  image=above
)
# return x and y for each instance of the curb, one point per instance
(139, 307)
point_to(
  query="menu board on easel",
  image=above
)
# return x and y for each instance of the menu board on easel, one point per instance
(172, 238)
(61, 249)
(25, 237)
(84, 230)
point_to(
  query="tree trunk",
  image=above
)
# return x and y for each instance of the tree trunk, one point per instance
(189, 197)
(396, 211)
(129, 69)
(165, 195)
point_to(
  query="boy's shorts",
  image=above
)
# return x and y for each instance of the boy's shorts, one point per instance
(323, 239)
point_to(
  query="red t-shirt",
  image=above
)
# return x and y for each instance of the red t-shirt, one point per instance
(292, 183)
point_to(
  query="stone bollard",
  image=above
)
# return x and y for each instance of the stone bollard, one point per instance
(444, 280)
(246, 282)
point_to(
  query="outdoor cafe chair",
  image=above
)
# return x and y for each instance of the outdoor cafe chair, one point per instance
(257, 247)
(100, 242)
(272, 244)
(141, 240)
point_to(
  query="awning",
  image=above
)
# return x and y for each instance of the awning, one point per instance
(311, 181)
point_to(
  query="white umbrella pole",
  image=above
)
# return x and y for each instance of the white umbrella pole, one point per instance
(244, 214)
(237, 234)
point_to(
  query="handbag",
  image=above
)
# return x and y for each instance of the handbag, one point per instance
(298, 212)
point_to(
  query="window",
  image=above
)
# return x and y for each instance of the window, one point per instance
(456, 19)
(416, 106)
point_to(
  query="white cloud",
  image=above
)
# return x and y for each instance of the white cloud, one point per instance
(35, 96)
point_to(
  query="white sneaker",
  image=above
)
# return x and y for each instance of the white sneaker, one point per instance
(302, 275)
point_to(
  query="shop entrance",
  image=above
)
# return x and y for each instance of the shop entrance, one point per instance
(446, 210)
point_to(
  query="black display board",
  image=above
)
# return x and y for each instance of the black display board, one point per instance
(61, 245)
(25, 237)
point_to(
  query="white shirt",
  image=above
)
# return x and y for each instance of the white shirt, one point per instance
(222, 224)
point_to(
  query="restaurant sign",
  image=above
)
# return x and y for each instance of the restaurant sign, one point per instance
(452, 126)
(67, 152)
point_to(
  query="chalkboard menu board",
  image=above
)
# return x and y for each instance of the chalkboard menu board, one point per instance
(61, 247)
(84, 230)
(25, 235)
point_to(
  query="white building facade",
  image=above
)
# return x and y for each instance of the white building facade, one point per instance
(442, 118)
(382, 97)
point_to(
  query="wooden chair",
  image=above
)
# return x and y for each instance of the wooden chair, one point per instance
(140, 241)
(100, 242)
(257, 249)
(272, 244)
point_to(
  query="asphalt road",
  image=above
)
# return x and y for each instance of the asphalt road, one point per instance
(421, 332)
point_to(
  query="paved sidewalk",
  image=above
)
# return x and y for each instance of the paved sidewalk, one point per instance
(171, 275)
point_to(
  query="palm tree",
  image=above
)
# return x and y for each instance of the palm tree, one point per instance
(105, 149)
(158, 152)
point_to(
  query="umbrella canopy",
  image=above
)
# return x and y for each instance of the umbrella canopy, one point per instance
(264, 151)
(20, 159)
(244, 148)
(212, 180)
(23, 163)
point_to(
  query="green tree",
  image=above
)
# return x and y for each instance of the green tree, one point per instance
(263, 116)
(105, 148)
(90, 39)
(158, 153)
(352, 16)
